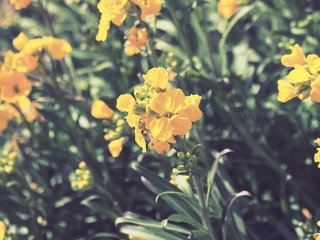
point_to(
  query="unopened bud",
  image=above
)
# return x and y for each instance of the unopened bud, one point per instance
(181, 155)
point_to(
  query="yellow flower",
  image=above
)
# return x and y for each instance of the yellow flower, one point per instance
(286, 91)
(315, 90)
(137, 38)
(3, 229)
(316, 236)
(28, 108)
(20, 41)
(159, 146)
(20, 4)
(104, 26)
(125, 103)
(161, 129)
(157, 77)
(148, 7)
(101, 110)
(313, 62)
(111, 11)
(227, 8)
(297, 57)
(58, 48)
(5, 116)
(140, 140)
(115, 147)
(14, 86)
(24, 62)
(191, 109)
(34, 46)
(168, 103)
(299, 75)
(158, 112)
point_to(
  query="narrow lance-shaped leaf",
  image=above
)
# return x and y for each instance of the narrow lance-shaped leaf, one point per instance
(213, 171)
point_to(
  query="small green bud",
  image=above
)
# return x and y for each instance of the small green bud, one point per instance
(188, 155)
(181, 155)
(181, 168)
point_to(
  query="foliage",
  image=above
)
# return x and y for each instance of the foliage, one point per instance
(264, 188)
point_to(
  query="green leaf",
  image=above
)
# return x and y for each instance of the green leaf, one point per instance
(106, 235)
(178, 218)
(222, 50)
(154, 234)
(213, 171)
(159, 185)
(152, 224)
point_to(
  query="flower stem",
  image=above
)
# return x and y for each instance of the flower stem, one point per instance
(202, 203)
(204, 211)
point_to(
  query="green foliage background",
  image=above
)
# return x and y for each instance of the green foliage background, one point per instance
(233, 64)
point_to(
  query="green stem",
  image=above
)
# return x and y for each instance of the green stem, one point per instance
(110, 197)
(204, 211)
(153, 55)
(201, 196)
(46, 18)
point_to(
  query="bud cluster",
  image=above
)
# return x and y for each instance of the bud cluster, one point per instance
(187, 162)
(83, 179)
(8, 162)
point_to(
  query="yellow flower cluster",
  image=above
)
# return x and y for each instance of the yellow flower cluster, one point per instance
(115, 11)
(227, 8)
(137, 38)
(115, 127)
(304, 79)
(14, 84)
(20, 4)
(8, 162)
(83, 179)
(316, 236)
(159, 112)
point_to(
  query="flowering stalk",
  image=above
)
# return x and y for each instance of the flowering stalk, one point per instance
(199, 188)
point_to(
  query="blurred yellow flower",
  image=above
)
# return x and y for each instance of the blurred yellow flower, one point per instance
(20, 4)
(3, 229)
(296, 57)
(227, 8)
(58, 48)
(137, 38)
(148, 7)
(24, 62)
(316, 236)
(20, 41)
(5, 116)
(111, 11)
(157, 77)
(100, 109)
(28, 108)
(14, 86)
(115, 147)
